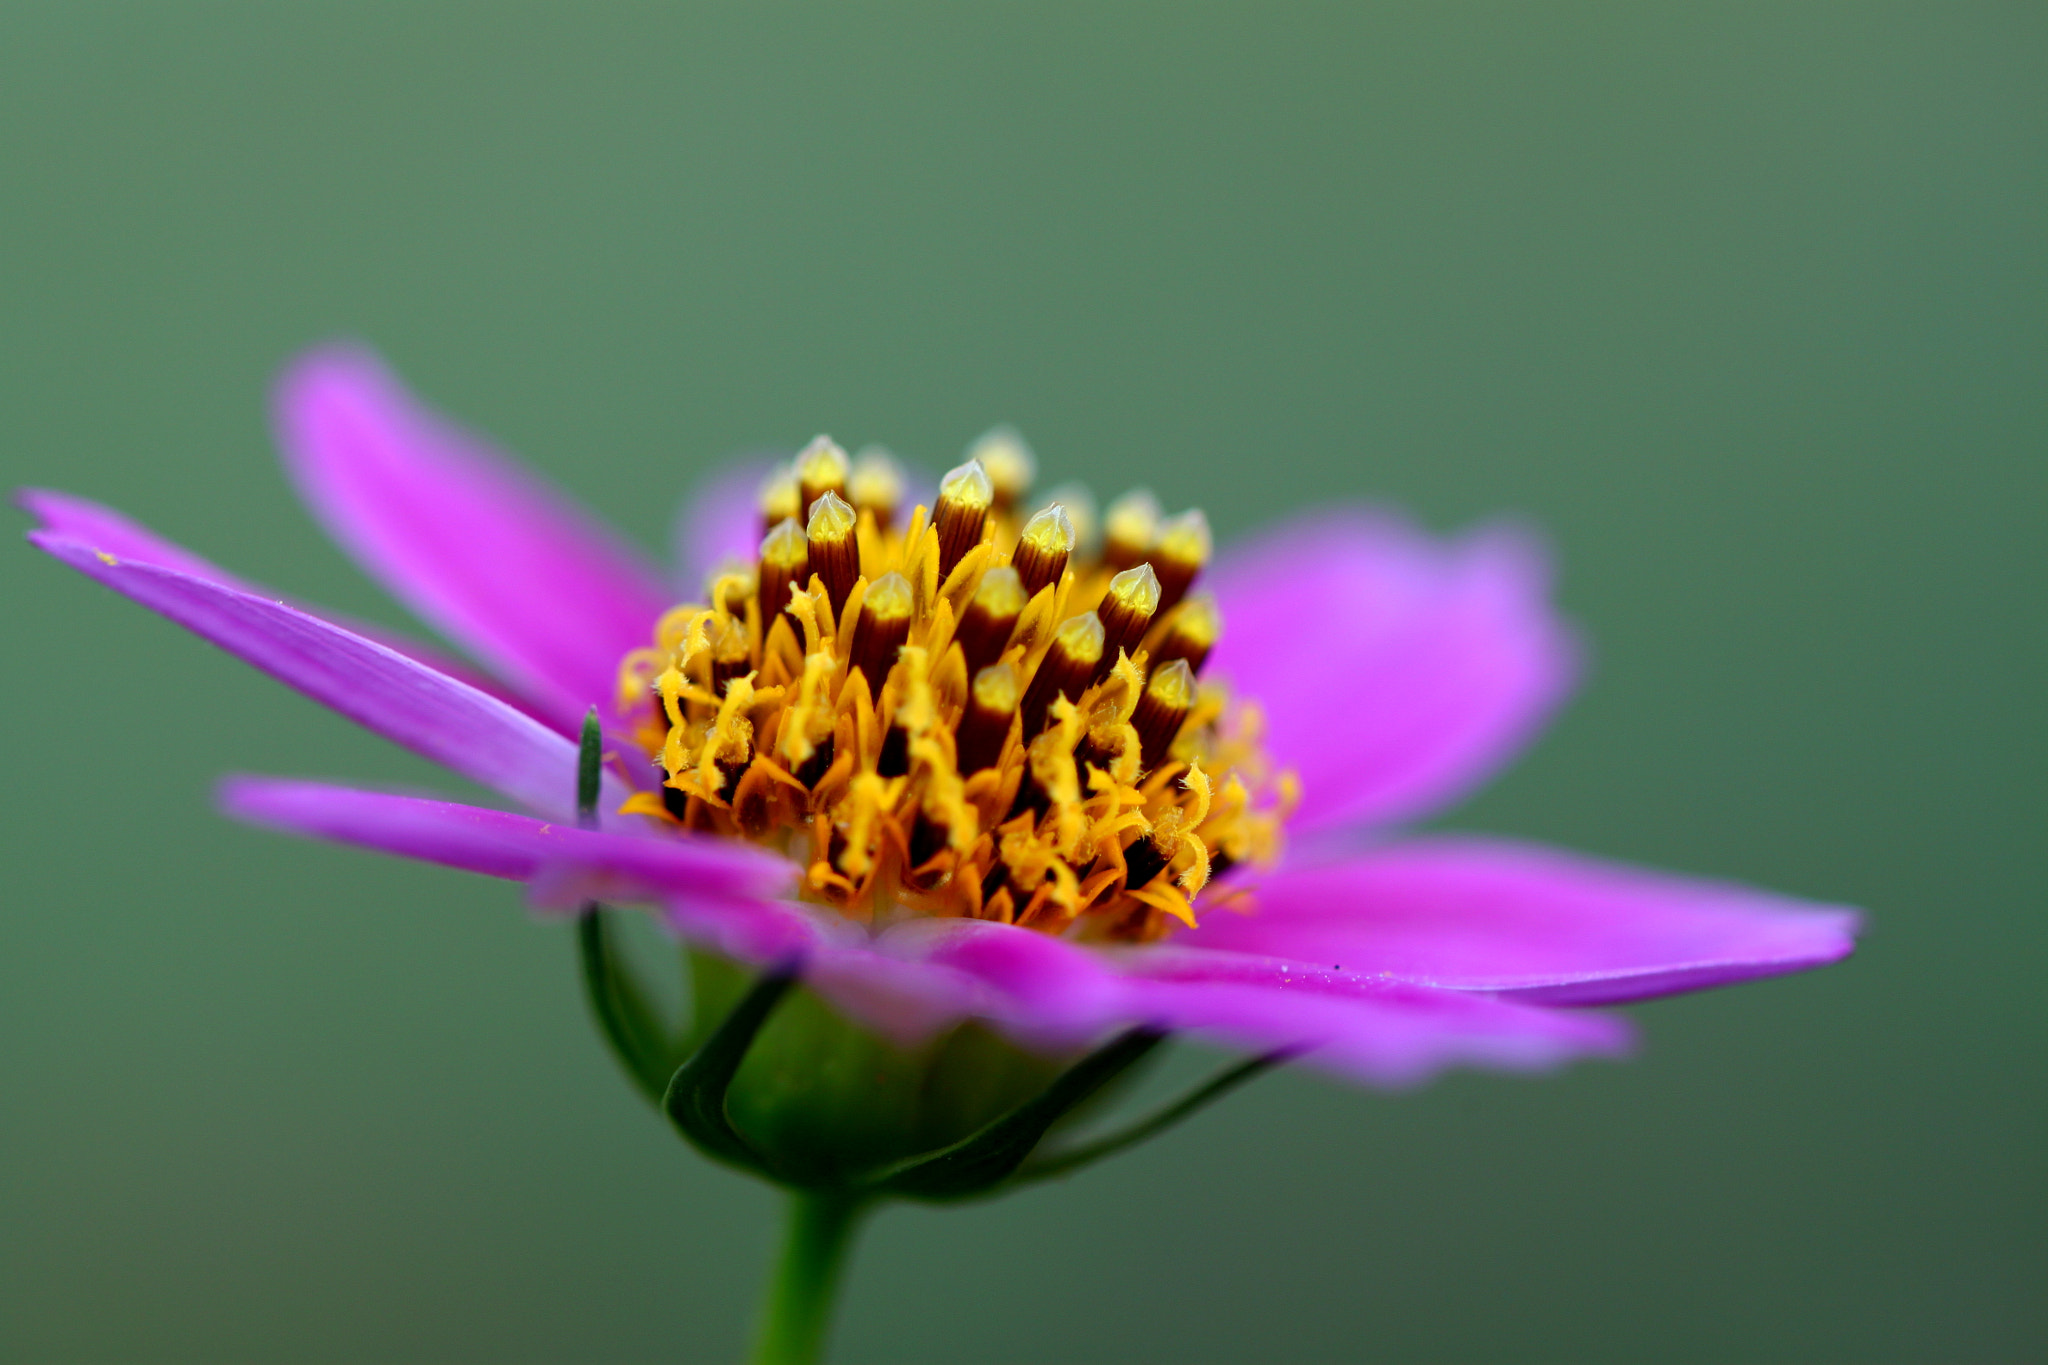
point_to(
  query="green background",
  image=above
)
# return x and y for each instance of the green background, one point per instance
(1744, 304)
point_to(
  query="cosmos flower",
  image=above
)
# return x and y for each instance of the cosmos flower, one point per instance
(994, 759)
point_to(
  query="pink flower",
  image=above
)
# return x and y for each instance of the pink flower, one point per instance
(1228, 868)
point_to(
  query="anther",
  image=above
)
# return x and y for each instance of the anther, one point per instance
(1127, 608)
(991, 701)
(785, 563)
(883, 626)
(991, 616)
(1168, 698)
(1191, 633)
(965, 495)
(820, 469)
(779, 499)
(875, 485)
(1181, 552)
(1010, 464)
(1043, 548)
(1129, 528)
(1083, 512)
(835, 550)
(1066, 670)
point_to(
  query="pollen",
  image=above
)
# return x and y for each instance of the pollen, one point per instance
(961, 712)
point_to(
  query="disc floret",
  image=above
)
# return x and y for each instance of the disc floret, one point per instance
(977, 716)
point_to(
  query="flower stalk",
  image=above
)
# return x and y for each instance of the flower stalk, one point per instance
(796, 1315)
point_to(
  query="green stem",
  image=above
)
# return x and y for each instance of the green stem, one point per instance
(798, 1310)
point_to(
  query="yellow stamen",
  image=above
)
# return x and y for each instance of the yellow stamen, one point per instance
(785, 564)
(884, 624)
(1082, 511)
(1189, 633)
(1181, 553)
(834, 550)
(947, 713)
(1168, 698)
(986, 724)
(991, 617)
(820, 469)
(1127, 609)
(1043, 548)
(780, 498)
(965, 495)
(1129, 527)
(1010, 464)
(1066, 670)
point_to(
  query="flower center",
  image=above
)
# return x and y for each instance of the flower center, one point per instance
(965, 712)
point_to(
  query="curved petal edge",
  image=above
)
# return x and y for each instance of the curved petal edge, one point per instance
(1394, 671)
(1523, 920)
(436, 716)
(478, 547)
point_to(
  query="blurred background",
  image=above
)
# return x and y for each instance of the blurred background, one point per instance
(1744, 304)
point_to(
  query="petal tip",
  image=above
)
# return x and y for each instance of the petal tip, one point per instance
(40, 503)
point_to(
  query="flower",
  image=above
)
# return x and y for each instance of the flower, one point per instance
(964, 764)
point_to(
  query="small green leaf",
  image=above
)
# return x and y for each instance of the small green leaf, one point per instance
(978, 1162)
(695, 1099)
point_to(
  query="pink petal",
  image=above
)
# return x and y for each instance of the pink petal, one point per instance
(1488, 915)
(921, 976)
(115, 533)
(723, 894)
(1053, 995)
(729, 897)
(380, 689)
(1382, 1033)
(1044, 992)
(1395, 671)
(720, 523)
(905, 1000)
(475, 545)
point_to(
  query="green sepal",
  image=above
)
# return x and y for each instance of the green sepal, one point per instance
(978, 1163)
(645, 1047)
(695, 1098)
(1046, 1165)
